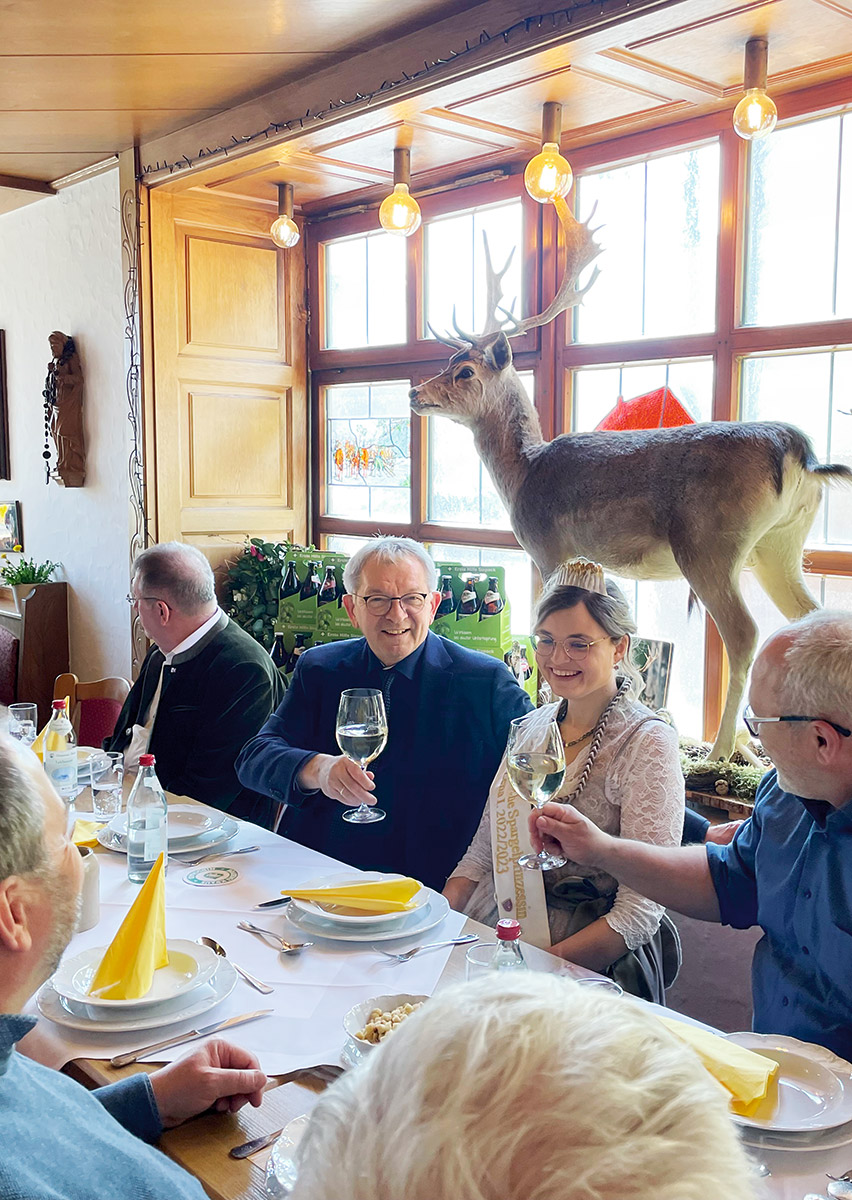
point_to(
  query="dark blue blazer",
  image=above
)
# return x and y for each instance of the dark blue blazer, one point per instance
(447, 729)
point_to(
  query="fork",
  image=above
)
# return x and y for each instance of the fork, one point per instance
(407, 954)
(193, 862)
(284, 946)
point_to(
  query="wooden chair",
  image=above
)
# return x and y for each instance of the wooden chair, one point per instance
(94, 706)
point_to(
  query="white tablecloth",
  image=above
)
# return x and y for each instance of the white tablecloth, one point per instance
(313, 989)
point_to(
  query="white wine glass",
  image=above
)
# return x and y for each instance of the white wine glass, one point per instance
(362, 734)
(23, 723)
(535, 758)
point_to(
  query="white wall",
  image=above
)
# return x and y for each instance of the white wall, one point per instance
(60, 268)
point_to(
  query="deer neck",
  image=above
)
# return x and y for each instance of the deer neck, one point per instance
(506, 435)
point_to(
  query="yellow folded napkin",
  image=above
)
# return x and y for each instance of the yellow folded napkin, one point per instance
(747, 1077)
(127, 968)
(383, 896)
(38, 744)
(86, 832)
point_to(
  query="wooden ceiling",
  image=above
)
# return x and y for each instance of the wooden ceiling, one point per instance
(114, 73)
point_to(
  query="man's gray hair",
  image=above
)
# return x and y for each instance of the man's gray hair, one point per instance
(387, 550)
(22, 849)
(177, 573)
(817, 677)
(524, 1086)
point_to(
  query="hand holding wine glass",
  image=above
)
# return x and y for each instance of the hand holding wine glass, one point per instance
(362, 733)
(535, 758)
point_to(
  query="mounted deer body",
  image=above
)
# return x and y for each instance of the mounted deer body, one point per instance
(699, 501)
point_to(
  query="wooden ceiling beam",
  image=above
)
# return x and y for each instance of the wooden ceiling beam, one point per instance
(21, 184)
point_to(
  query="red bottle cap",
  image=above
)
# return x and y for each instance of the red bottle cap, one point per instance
(58, 704)
(507, 930)
(146, 760)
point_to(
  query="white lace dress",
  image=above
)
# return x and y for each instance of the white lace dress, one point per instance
(635, 790)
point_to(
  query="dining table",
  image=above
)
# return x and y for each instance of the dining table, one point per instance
(311, 992)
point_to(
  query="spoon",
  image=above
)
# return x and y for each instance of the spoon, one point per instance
(284, 947)
(255, 983)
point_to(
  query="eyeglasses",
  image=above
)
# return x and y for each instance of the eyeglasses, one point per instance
(134, 600)
(575, 648)
(752, 722)
(380, 606)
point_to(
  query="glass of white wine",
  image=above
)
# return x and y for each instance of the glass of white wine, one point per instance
(536, 764)
(362, 734)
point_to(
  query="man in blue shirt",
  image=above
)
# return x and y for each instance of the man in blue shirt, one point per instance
(789, 868)
(61, 1142)
(448, 712)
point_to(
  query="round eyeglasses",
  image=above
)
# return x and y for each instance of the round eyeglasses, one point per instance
(380, 606)
(575, 648)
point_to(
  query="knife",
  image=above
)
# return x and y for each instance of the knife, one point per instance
(273, 903)
(259, 1143)
(124, 1060)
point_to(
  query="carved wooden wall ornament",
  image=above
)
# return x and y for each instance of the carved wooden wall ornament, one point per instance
(63, 413)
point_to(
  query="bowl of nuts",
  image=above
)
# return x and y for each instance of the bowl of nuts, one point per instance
(371, 1021)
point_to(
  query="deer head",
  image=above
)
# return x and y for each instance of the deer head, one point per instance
(473, 383)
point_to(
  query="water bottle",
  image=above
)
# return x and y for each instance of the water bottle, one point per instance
(60, 752)
(507, 954)
(147, 822)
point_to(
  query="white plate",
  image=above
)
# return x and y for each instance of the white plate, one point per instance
(280, 1169)
(189, 967)
(204, 843)
(357, 1016)
(186, 823)
(814, 1086)
(345, 916)
(431, 914)
(183, 1008)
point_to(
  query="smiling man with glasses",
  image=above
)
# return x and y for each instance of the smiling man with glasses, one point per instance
(789, 868)
(448, 717)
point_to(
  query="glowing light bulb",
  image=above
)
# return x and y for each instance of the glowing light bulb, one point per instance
(284, 232)
(755, 115)
(548, 175)
(399, 212)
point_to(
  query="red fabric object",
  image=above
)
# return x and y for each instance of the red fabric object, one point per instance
(8, 667)
(97, 720)
(655, 410)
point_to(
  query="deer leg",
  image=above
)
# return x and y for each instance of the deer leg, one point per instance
(777, 565)
(722, 598)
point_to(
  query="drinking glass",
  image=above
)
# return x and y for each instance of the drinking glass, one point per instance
(536, 763)
(23, 723)
(107, 784)
(362, 734)
(478, 960)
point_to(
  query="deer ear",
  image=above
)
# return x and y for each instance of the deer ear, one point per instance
(498, 354)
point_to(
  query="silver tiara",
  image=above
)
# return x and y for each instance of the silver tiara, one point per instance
(579, 573)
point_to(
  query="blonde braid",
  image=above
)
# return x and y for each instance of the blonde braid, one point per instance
(597, 739)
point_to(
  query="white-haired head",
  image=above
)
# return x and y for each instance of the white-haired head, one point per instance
(816, 679)
(526, 1088)
(177, 573)
(387, 550)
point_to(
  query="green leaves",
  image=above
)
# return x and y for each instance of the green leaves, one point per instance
(254, 582)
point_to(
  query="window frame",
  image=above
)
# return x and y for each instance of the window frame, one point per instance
(550, 351)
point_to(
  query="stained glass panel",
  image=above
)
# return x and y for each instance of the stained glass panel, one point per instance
(368, 455)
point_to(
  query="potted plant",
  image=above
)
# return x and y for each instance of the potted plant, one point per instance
(25, 574)
(254, 581)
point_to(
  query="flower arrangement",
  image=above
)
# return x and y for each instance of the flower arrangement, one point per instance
(26, 570)
(255, 581)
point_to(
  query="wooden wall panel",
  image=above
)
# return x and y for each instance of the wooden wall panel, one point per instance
(254, 427)
(232, 296)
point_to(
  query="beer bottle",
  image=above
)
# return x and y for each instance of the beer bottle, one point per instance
(448, 600)
(278, 653)
(290, 583)
(492, 604)
(328, 591)
(298, 650)
(469, 602)
(311, 586)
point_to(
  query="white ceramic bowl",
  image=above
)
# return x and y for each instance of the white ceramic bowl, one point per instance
(348, 917)
(357, 1016)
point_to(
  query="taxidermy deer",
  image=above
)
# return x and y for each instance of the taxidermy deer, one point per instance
(701, 501)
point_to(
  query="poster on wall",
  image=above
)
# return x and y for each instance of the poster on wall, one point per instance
(10, 526)
(5, 470)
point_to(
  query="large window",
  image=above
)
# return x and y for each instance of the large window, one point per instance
(726, 278)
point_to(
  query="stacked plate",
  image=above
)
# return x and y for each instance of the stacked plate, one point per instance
(195, 981)
(192, 831)
(340, 924)
(811, 1107)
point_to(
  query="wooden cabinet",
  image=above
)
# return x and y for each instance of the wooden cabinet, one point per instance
(37, 614)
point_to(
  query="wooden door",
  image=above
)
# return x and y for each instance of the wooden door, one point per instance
(228, 423)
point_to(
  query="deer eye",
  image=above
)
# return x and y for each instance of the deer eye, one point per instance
(465, 373)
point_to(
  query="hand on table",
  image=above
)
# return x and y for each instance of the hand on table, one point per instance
(217, 1075)
(339, 778)
(722, 834)
(559, 828)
